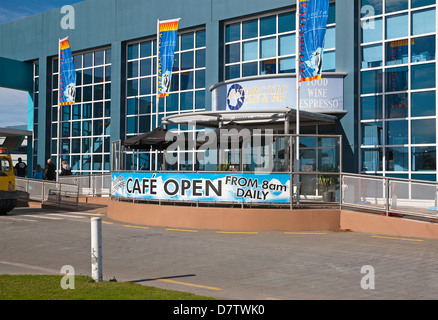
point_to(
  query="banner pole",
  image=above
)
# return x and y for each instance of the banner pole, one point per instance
(298, 88)
(58, 147)
(157, 94)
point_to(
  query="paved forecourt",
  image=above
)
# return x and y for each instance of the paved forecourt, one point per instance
(225, 264)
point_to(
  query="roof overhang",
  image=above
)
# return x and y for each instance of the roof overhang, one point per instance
(256, 118)
(14, 137)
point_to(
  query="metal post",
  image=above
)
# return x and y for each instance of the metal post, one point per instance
(298, 88)
(96, 249)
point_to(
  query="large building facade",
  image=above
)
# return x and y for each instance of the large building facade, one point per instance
(384, 49)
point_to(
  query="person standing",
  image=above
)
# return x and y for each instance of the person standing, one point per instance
(39, 174)
(66, 169)
(20, 169)
(50, 170)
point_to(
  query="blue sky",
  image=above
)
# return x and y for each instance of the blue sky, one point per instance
(13, 103)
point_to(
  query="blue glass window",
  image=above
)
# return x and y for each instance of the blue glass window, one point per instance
(88, 76)
(200, 79)
(200, 58)
(132, 69)
(329, 61)
(268, 66)
(286, 65)
(330, 38)
(372, 133)
(423, 48)
(132, 51)
(232, 72)
(187, 80)
(145, 123)
(131, 125)
(97, 162)
(250, 51)
(146, 104)
(249, 29)
(332, 13)
(186, 100)
(65, 113)
(88, 59)
(86, 128)
(97, 127)
(423, 104)
(376, 6)
(145, 49)
(423, 21)
(145, 86)
(372, 56)
(395, 5)
(172, 102)
(187, 41)
(98, 75)
(200, 38)
(286, 22)
(88, 93)
(397, 105)
(424, 159)
(249, 69)
(232, 53)
(65, 128)
(76, 129)
(421, 3)
(372, 32)
(187, 61)
(423, 131)
(397, 52)
(268, 25)
(286, 44)
(132, 106)
(397, 159)
(371, 81)
(200, 99)
(99, 57)
(397, 26)
(371, 108)
(396, 132)
(98, 92)
(423, 76)
(98, 110)
(268, 47)
(372, 159)
(425, 177)
(77, 61)
(232, 32)
(396, 79)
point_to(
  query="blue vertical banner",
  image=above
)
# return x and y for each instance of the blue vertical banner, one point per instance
(313, 24)
(167, 33)
(67, 74)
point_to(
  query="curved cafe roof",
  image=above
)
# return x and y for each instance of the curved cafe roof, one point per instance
(266, 118)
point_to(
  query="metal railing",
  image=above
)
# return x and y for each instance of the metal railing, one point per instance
(386, 195)
(95, 185)
(47, 191)
(391, 196)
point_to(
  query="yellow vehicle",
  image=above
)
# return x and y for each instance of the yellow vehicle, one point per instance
(8, 194)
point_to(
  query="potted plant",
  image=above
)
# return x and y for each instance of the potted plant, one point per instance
(326, 181)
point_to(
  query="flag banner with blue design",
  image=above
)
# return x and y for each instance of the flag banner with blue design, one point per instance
(313, 24)
(67, 74)
(166, 50)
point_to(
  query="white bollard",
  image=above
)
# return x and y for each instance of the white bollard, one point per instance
(96, 249)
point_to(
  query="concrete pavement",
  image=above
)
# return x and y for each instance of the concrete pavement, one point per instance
(225, 265)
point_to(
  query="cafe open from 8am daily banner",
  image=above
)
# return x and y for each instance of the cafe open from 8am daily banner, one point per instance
(206, 187)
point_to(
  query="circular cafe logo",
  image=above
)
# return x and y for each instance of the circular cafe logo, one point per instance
(235, 97)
